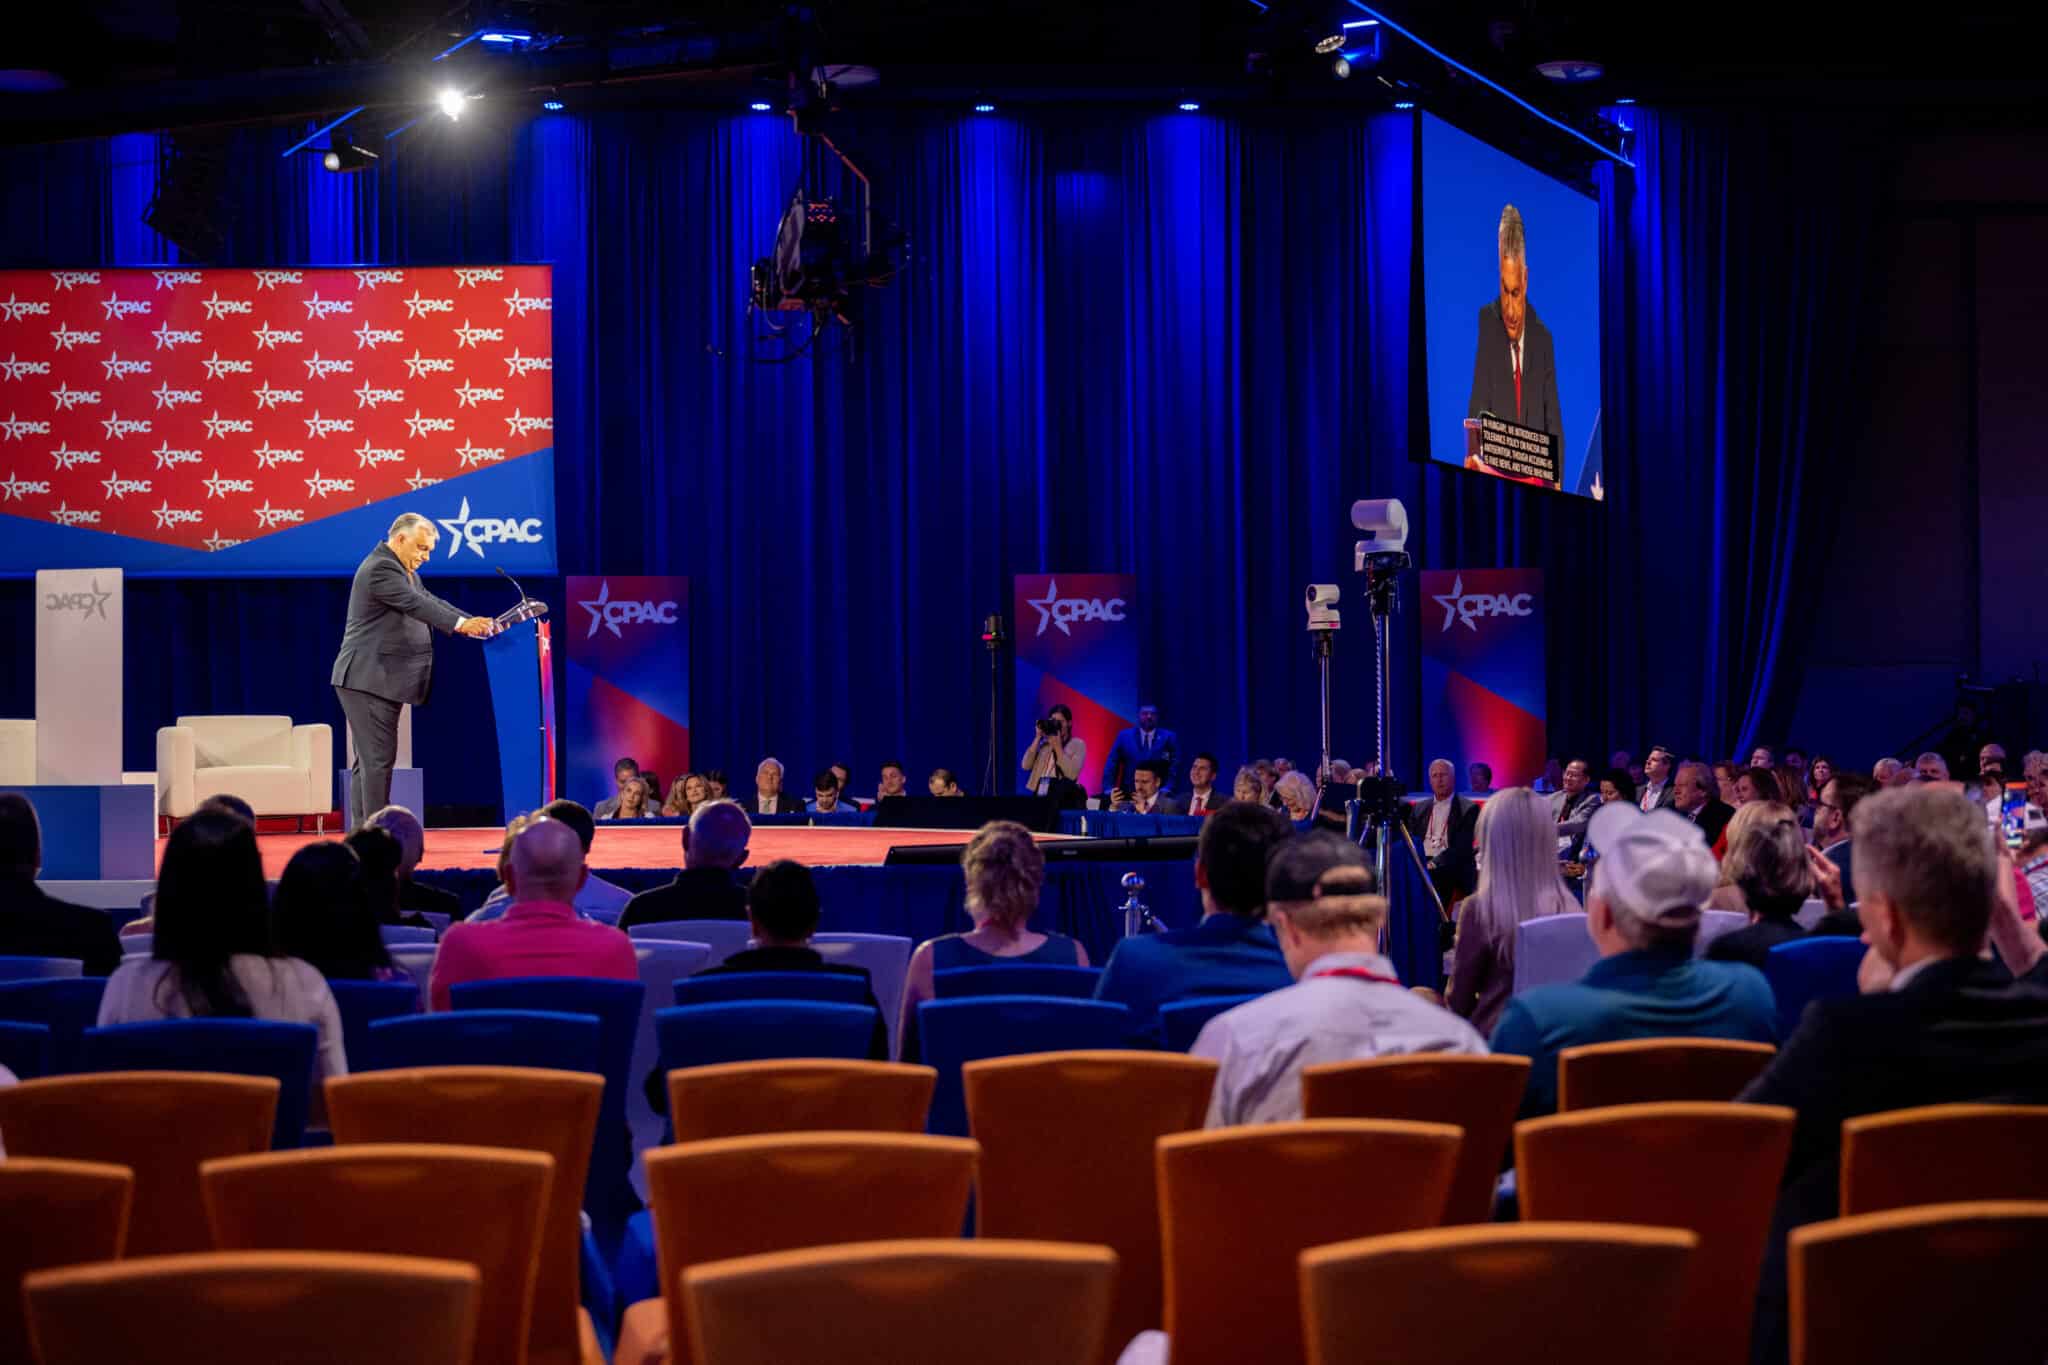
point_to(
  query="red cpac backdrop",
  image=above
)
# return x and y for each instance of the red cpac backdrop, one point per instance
(204, 408)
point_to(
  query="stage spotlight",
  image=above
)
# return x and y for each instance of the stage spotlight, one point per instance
(760, 106)
(343, 156)
(553, 106)
(1341, 67)
(984, 108)
(1404, 104)
(450, 102)
(1329, 43)
(1626, 99)
(1189, 107)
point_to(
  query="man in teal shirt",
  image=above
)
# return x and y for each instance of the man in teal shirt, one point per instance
(1653, 874)
(1232, 951)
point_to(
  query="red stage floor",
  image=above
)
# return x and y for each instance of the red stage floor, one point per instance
(659, 846)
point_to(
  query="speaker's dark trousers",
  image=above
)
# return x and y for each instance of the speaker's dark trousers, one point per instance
(374, 722)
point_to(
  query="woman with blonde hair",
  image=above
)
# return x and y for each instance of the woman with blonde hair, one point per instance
(685, 794)
(1518, 880)
(1004, 872)
(1768, 874)
(1248, 786)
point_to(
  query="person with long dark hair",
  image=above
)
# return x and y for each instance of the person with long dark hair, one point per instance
(213, 954)
(322, 915)
(380, 855)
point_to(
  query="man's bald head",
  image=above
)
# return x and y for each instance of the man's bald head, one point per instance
(547, 862)
(716, 835)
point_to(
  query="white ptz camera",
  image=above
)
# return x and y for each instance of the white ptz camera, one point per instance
(1322, 606)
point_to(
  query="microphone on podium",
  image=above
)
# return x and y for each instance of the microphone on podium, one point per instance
(526, 609)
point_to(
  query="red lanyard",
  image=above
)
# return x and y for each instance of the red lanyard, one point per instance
(1361, 973)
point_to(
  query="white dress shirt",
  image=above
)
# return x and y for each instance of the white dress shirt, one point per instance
(1438, 837)
(1261, 1046)
(280, 988)
(1200, 801)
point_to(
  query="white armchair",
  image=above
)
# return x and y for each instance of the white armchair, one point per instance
(17, 753)
(277, 767)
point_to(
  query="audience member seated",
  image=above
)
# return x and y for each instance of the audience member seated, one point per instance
(843, 776)
(1232, 950)
(541, 934)
(1839, 797)
(33, 924)
(686, 794)
(895, 781)
(598, 899)
(1247, 786)
(1444, 828)
(784, 909)
(1934, 1024)
(635, 801)
(714, 778)
(1753, 785)
(714, 845)
(1478, 778)
(1763, 756)
(233, 805)
(1147, 795)
(1142, 742)
(1004, 871)
(1695, 796)
(413, 897)
(943, 782)
(1347, 1003)
(379, 855)
(1890, 772)
(769, 797)
(1517, 881)
(1767, 875)
(625, 772)
(1618, 787)
(1725, 774)
(1930, 767)
(1643, 912)
(1552, 780)
(321, 912)
(2031, 859)
(1297, 800)
(1269, 778)
(212, 955)
(825, 799)
(1203, 794)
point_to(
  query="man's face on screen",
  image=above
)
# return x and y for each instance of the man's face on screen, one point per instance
(1514, 295)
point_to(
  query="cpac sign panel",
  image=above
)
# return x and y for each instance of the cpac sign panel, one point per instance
(628, 695)
(1077, 642)
(223, 422)
(1483, 658)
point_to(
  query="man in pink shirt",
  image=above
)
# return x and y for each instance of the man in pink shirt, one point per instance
(541, 935)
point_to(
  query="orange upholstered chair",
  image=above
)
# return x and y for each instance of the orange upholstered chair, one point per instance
(1942, 1282)
(1583, 1293)
(1068, 1154)
(746, 1196)
(55, 1213)
(1239, 1205)
(256, 1308)
(1653, 1070)
(159, 1124)
(1478, 1094)
(495, 1106)
(935, 1302)
(483, 1205)
(1712, 1169)
(1944, 1154)
(814, 1094)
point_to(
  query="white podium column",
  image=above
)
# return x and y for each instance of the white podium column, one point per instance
(78, 677)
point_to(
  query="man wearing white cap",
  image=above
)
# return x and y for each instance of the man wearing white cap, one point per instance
(1653, 874)
(1346, 1002)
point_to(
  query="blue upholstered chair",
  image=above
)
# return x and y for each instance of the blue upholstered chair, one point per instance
(39, 968)
(66, 1005)
(363, 1003)
(833, 987)
(1809, 969)
(25, 1049)
(1180, 1021)
(1017, 978)
(954, 1032)
(536, 1038)
(241, 1047)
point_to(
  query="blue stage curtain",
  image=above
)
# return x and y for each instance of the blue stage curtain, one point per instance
(1176, 345)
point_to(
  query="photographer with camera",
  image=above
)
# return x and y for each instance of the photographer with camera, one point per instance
(1055, 754)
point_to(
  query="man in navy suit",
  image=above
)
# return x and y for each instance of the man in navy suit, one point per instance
(1232, 951)
(1141, 742)
(1514, 370)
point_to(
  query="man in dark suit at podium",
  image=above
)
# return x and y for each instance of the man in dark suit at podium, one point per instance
(1514, 371)
(387, 651)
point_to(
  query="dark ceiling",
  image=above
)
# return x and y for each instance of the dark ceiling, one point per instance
(155, 63)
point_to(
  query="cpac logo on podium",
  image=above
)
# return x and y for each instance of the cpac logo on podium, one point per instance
(93, 603)
(1468, 607)
(1062, 612)
(611, 614)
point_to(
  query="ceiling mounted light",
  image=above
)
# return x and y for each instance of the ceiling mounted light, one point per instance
(1571, 71)
(1329, 43)
(450, 102)
(343, 156)
(553, 106)
(984, 108)
(1190, 107)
